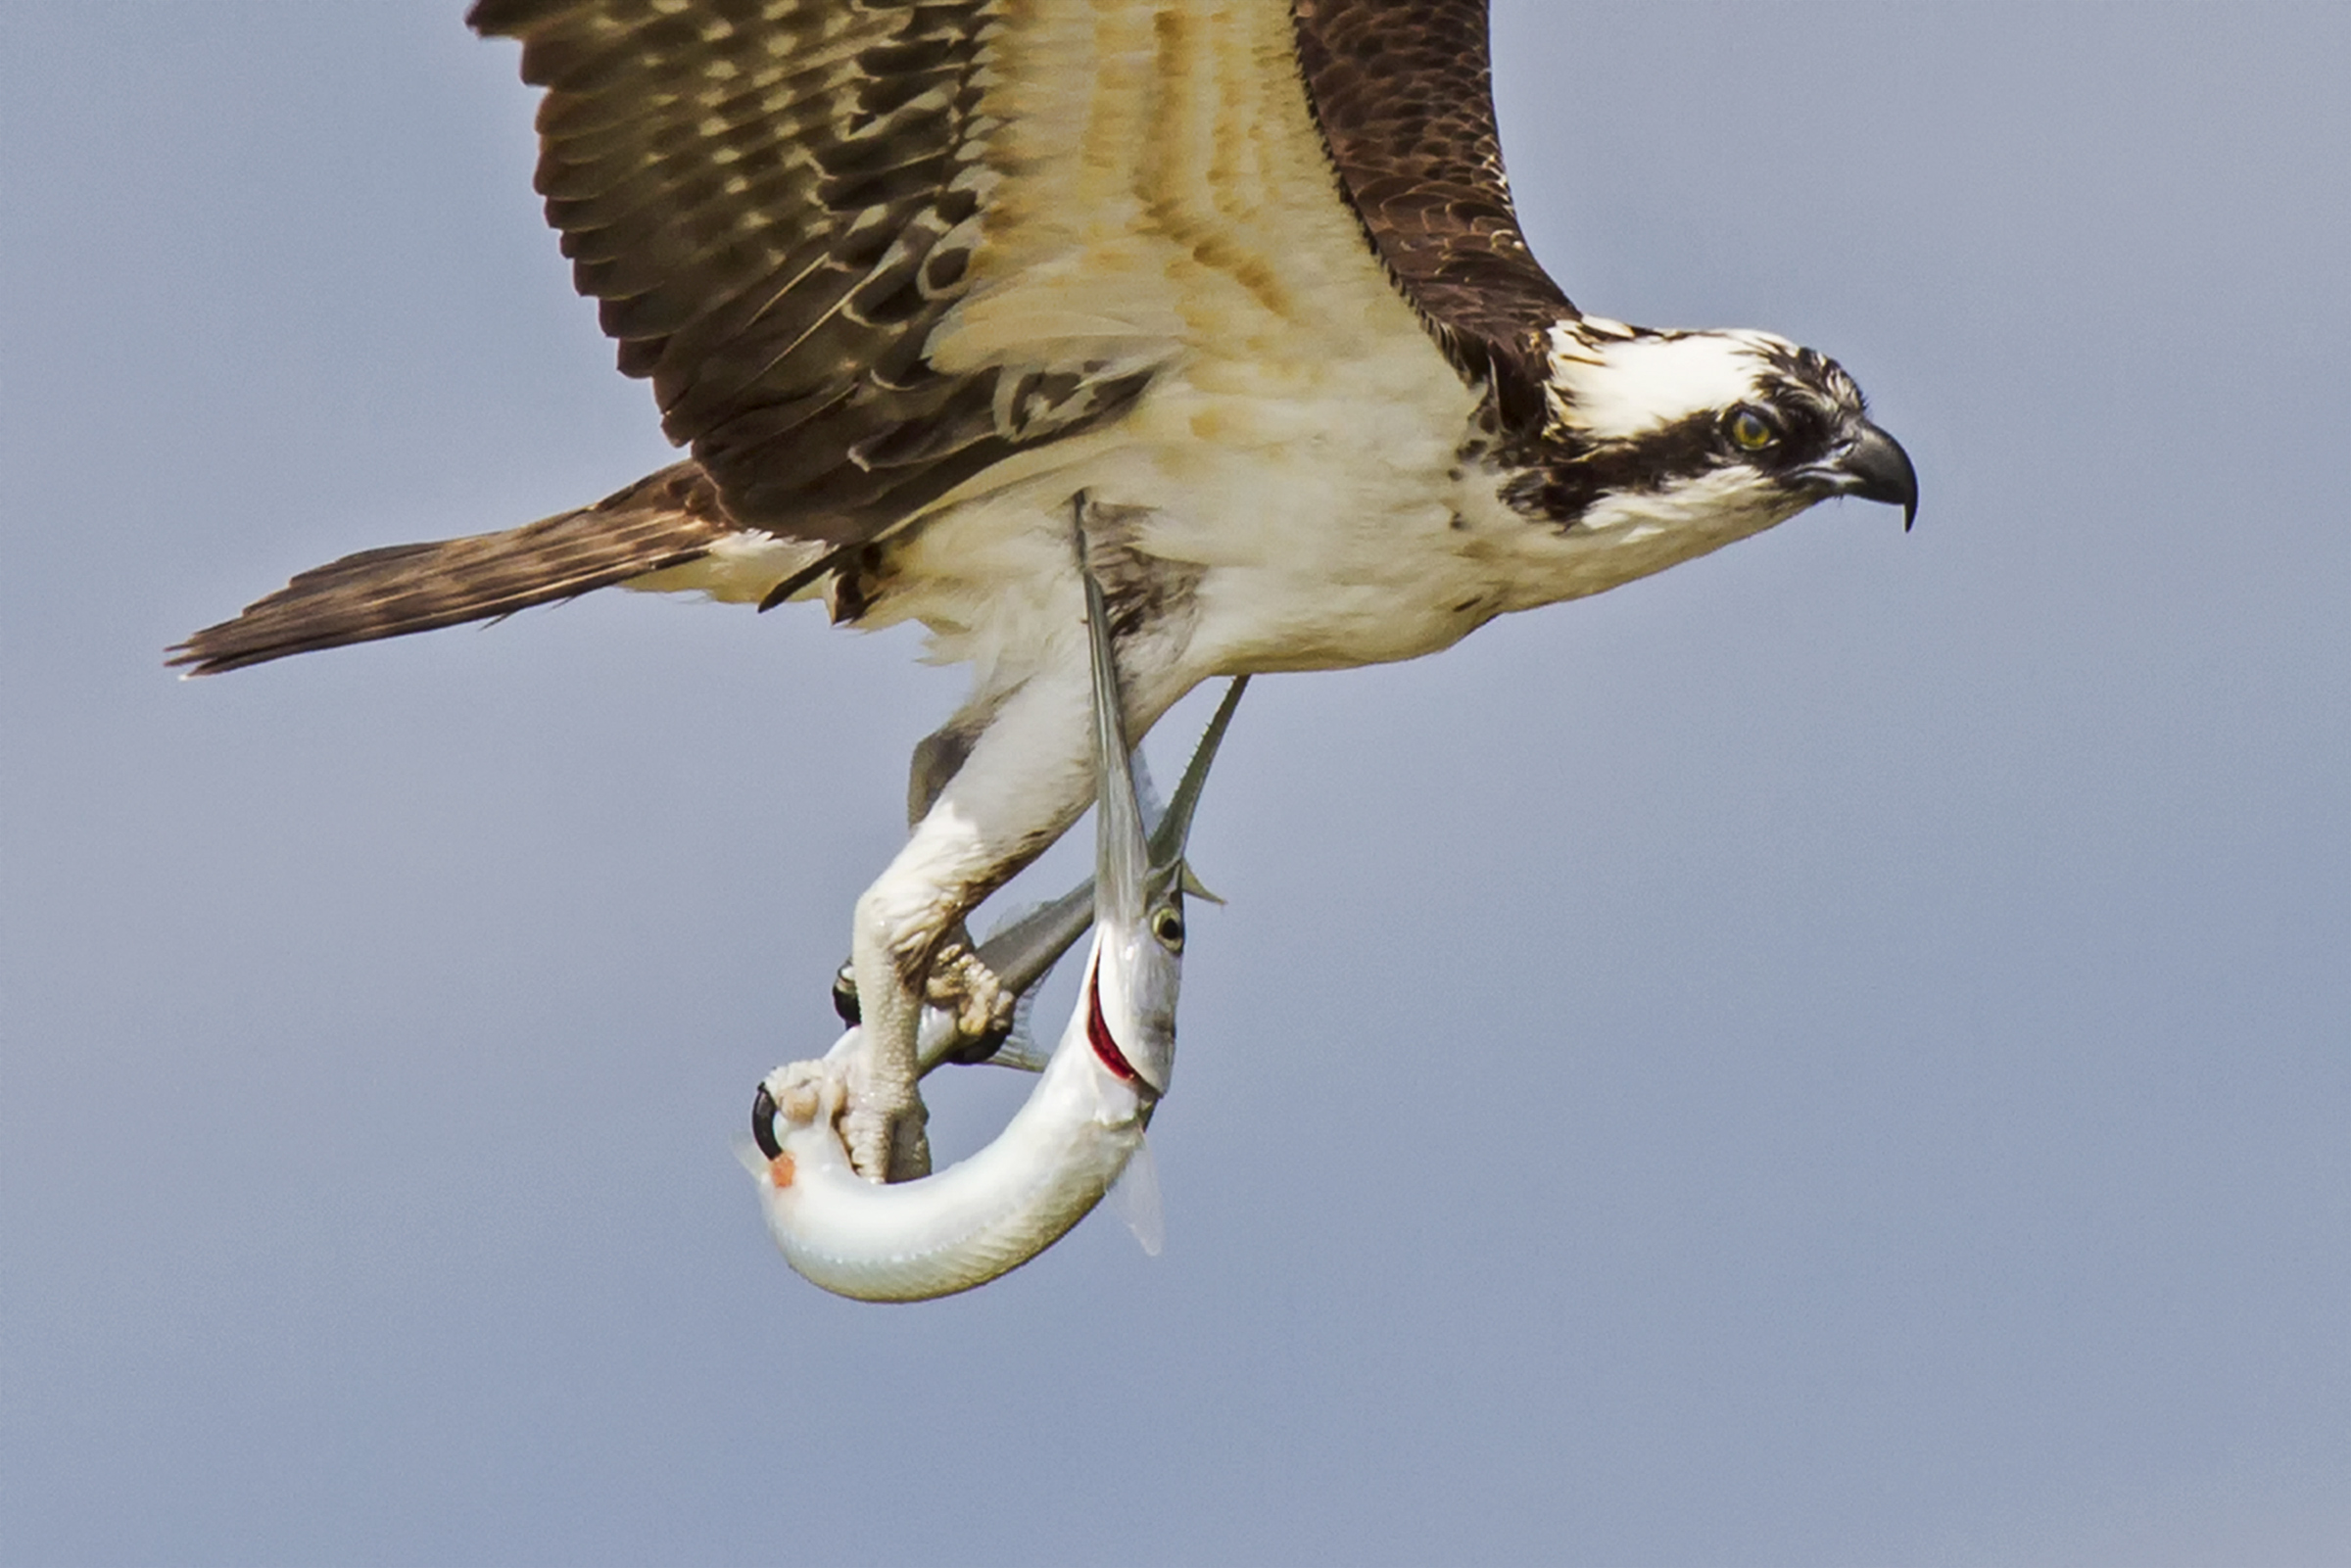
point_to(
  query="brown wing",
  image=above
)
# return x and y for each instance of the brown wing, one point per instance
(775, 202)
(870, 252)
(1403, 93)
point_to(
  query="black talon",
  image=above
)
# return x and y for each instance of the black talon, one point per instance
(844, 996)
(763, 1124)
(974, 1053)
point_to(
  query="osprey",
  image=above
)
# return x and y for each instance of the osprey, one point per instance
(1235, 287)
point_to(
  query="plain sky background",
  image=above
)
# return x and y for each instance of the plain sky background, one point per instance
(1834, 1055)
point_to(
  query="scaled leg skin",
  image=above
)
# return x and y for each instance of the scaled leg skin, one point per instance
(958, 982)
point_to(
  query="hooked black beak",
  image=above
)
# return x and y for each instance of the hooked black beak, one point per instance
(1876, 468)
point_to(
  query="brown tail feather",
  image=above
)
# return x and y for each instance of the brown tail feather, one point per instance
(666, 519)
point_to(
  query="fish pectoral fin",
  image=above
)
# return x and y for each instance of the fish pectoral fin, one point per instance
(1134, 1197)
(1020, 1050)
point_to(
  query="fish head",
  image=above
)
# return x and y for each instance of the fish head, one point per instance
(1136, 971)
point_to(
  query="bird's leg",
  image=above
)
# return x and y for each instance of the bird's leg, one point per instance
(958, 981)
(1001, 782)
(1023, 781)
(885, 1126)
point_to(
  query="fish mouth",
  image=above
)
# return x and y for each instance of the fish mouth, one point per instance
(1106, 1047)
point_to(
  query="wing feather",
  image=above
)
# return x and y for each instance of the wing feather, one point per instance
(873, 254)
(1404, 94)
(867, 250)
(758, 194)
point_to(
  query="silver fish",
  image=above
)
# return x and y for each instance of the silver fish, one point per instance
(1082, 1123)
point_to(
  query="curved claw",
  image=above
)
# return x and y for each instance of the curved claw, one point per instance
(763, 1124)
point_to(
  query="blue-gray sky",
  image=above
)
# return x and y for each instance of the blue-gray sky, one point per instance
(1834, 1055)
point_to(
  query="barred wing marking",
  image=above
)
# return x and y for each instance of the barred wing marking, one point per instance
(774, 202)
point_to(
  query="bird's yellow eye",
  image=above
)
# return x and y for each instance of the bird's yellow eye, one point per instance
(1168, 925)
(1751, 430)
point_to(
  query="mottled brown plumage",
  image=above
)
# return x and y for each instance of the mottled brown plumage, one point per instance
(778, 202)
(1404, 95)
(775, 201)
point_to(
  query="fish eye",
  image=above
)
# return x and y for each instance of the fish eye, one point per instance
(1751, 429)
(1168, 925)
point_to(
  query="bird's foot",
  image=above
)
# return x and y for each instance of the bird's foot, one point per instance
(885, 1127)
(961, 985)
(803, 1092)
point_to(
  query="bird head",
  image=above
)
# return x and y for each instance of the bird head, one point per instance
(1738, 429)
